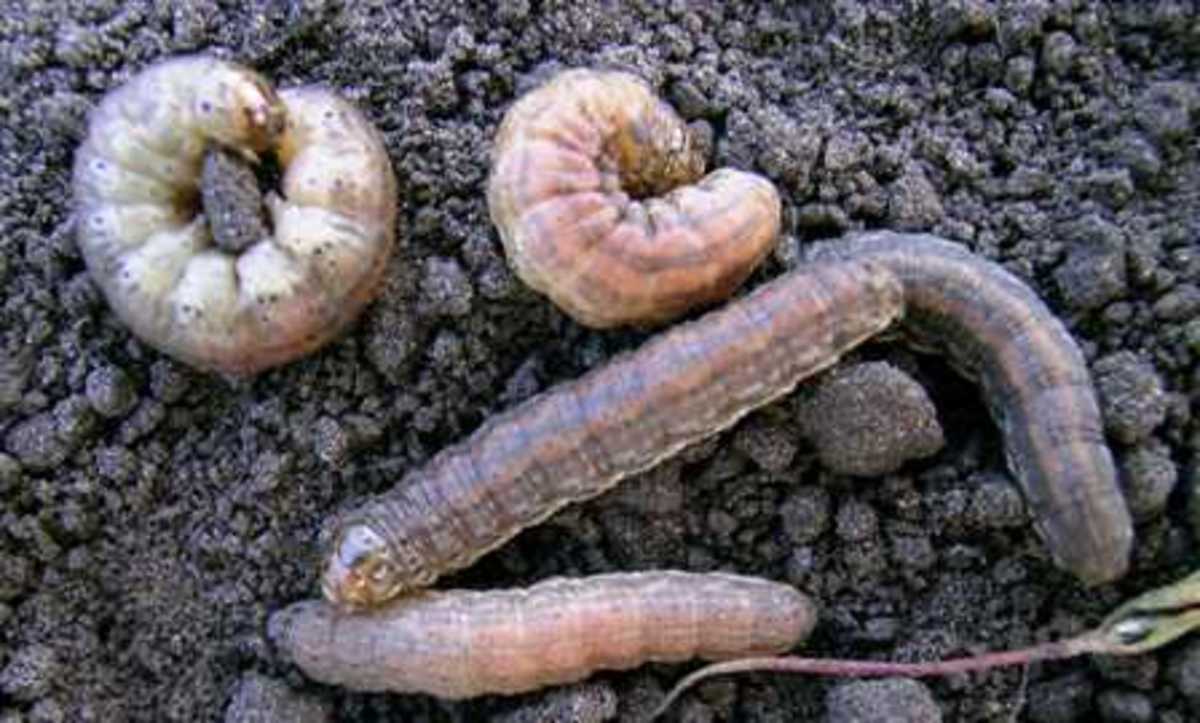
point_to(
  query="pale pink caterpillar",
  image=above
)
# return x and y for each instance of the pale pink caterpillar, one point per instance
(464, 643)
(148, 246)
(597, 193)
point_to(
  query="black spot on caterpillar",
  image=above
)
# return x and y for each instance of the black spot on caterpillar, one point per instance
(136, 181)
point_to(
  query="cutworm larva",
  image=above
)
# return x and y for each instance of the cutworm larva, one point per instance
(463, 643)
(149, 247)
(597, 193)
(1034, 380)
(581, 438)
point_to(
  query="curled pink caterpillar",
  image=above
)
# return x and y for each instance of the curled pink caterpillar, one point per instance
(149, 247)
(463, 643)
(597, 193)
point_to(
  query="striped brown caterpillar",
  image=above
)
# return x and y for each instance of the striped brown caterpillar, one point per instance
(581, 438)
(993, 328)
(463, 643)
(597, 193)
(149, 247)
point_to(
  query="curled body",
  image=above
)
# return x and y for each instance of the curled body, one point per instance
(580, 438)
(597, 194)
(1033, 377)
(462, 643)
(147, 242)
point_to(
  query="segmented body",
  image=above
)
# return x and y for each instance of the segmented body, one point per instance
(147, 245)
(1035, 382)
(581, 438)
(597, 193)
(461, 643)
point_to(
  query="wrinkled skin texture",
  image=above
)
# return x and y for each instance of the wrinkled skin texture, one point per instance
(152, 252)
(596, 191)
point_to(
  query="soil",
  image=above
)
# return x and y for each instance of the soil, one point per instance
(151, 517)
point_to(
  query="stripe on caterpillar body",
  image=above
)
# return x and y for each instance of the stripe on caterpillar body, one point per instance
(578, 439)
(582, 437)
(1034, 381)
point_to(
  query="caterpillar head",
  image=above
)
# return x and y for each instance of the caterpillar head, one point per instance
(361, 570)
(238, 108)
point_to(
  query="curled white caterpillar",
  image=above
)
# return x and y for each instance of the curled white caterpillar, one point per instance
(149, 247)
(464, 643)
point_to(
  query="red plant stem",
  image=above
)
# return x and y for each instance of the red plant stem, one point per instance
(1055, 650)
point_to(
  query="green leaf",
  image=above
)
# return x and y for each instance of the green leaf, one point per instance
(1153, 619)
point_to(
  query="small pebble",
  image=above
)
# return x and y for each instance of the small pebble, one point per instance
(1179, 304)
(259, 699)
(445, 289)
(30, 673)
(1061, 700)
(1140, 156)
(35, 443)
(965, 19)
(856, 522)
(805, 515)
(997, 503)
(74, 420)
(1165, 110)
(1131, 396)
(772, 447)
(110, 392)
(914, 552)
(892, 700)
(1183, 671)
(10, 474)
(392, 341)
(1148, 475)
(1019, 74)
(1094, 272)
(233, 203)
(331, 441)
(1125, 706)
(913, 202)
(169, 381)
(582, 703)
(1058, 53)
(15, 575)
(47, 710)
